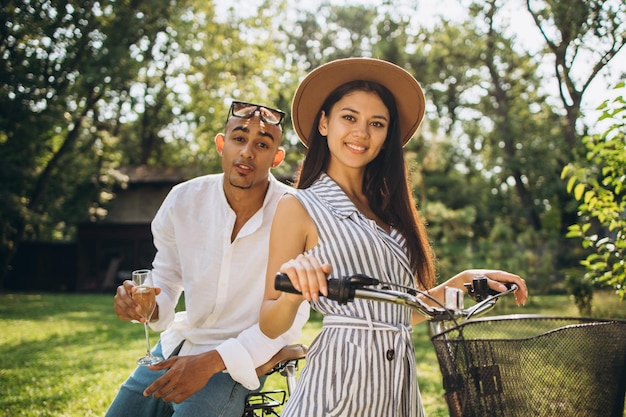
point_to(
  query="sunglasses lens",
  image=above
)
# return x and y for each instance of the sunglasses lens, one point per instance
(243, 110)
(247, 110)
(270, 116)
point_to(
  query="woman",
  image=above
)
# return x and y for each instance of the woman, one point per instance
(353, 213)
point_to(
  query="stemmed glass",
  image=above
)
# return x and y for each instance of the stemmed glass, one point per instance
(144, 295)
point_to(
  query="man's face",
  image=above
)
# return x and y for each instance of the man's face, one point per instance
(249, 148)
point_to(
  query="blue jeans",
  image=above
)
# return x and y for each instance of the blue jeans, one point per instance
(221, 396)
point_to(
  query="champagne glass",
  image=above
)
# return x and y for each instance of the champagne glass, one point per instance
(144, 294)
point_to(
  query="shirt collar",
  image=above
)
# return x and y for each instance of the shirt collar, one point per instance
(333, 197)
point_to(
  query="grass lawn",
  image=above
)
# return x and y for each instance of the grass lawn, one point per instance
(67, 354)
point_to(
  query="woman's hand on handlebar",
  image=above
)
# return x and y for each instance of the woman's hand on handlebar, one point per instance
(496, 280)
(308, 276)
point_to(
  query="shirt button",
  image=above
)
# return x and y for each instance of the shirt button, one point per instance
(391, 354)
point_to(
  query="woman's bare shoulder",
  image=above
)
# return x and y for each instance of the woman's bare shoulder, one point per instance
(290, 205)
(292, 219)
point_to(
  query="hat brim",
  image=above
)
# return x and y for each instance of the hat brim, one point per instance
(320, 82)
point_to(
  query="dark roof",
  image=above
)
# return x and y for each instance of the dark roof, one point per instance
(150, 174)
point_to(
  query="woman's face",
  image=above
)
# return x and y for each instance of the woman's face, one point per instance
(356, 129)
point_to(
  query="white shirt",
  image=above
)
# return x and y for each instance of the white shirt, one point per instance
(223, 281)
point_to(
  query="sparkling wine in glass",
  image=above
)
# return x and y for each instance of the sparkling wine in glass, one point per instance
(145, 296)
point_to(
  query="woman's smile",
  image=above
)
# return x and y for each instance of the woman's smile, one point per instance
(356, 148)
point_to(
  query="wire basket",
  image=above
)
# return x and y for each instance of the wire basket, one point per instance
(529, 365)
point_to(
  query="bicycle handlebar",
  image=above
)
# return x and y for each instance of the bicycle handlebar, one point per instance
(346, 289)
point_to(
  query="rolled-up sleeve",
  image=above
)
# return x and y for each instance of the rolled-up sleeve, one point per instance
(251, 349)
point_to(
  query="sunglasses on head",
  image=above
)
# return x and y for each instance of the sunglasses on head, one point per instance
(245, 110)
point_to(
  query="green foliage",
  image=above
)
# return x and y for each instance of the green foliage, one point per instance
(90, 87)
(331, 32)
(599, 189)
(68, 67)
(490, 103)
(592, 32)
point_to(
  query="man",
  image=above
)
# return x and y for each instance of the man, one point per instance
(212, 238)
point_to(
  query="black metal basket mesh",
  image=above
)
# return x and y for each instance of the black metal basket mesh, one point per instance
(534, 366)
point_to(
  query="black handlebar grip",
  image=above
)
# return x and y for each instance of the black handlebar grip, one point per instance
(282, 283)
(338, 289)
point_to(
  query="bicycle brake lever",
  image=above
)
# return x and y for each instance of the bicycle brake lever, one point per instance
(479, 290)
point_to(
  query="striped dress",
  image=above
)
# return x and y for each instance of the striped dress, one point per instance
(362, 363)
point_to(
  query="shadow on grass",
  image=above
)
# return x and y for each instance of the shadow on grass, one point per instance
(63, 354)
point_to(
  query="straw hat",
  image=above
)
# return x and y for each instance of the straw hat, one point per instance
(320, 82)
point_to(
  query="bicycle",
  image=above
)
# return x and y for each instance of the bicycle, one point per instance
(284, 363)
(513, 365)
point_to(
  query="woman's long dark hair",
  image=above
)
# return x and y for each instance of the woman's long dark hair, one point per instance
(385, 183)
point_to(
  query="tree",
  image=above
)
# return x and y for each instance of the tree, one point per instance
(89, 87)
(61, 64)
(503, 135)
(583, 36)
(482, 158)
(579, 34)
(236, 57)
(599, 189)
(331, 32)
